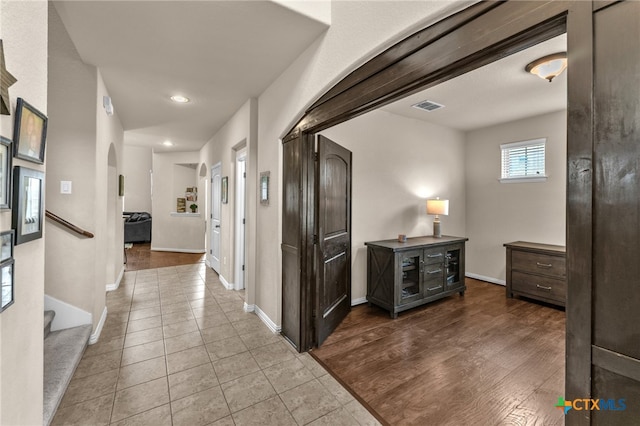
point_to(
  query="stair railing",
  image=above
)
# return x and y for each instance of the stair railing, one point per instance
(68, 225)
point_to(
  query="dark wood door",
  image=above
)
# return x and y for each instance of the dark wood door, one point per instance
(333, 259)
(616, 208)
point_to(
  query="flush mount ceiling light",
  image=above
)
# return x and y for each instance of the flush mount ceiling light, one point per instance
(548, 67)
(180, 99)
(167, 143)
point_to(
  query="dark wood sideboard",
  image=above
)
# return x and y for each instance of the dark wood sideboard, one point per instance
(537, 271)
(403, 275)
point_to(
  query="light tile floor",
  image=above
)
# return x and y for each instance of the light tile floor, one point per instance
(177, 348)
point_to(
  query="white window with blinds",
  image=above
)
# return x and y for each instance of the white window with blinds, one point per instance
(523, 161)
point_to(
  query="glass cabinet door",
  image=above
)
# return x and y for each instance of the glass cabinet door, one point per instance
(410, 270)
(452, 267)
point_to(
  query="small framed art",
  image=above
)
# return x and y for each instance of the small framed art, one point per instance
(6, 155)
(224, 190)
(264, 188)
(6, 286)
(30, 133)
(28, 189)
(6, 245)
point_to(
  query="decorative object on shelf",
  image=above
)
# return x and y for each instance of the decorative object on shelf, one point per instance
(191, 194)
(181, 205)
(29, 133)
(437, 207)
(402, 238)
(121, 185)
(193, 207)
(6, 297)
(6, 81)
(264, 188)
(224, 191)
(6, 156)
(28, 192)
(548, 67)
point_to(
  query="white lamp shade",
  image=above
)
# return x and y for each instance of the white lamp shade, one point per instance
(438, 207)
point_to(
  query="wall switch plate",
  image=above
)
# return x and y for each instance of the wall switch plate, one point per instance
(65, 187)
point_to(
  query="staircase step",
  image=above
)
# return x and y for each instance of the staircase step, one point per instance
(48, 319)
(63, 350)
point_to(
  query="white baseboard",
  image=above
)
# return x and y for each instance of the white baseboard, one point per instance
(249, 308)
(96, 334)
(114, 286)
(206, 262)
(265, 319)
(178, 250)
(67, 315)
(483, 278)
(358, 301)
(225, 283)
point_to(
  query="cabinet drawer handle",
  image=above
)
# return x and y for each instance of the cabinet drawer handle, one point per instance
(544, 265)
(541, 287)
(434, 255)
(434, 288)
(434, 271)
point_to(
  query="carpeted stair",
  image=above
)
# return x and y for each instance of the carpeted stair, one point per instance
(63, 350)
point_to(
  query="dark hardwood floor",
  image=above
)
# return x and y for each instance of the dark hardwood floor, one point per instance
(480, 359)
(140, 256)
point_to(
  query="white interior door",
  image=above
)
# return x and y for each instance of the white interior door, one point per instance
(216, 200)
(240, 218)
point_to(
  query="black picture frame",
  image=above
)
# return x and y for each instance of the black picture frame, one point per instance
(264, 188)
(224, 190)
(28, 213)
(121, 185)
(6, 284)
(6, 161)
(7, 239)
(29, 133)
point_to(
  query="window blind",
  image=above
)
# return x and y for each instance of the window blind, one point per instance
(523, 159)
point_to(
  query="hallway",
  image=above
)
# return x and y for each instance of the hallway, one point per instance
(178, 349)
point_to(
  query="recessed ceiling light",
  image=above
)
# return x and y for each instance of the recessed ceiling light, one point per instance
(180, 99)
(167, 143)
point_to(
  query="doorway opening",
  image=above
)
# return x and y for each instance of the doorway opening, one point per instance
(240, 218)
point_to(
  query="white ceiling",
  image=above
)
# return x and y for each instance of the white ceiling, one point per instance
(496, 93)
(217, 53)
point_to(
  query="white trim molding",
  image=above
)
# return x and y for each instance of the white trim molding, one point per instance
(206, 262)
(483, 278)
(114, 286)
(96, 334)
(225, 283)
(178, 250)
(67, 315)
(358, 301)
(265, 319)
(249, 308)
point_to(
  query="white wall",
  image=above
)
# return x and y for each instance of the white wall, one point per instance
(240, 131)
(397, 164)
(499, 213)
(359, 30)
(137, 179)
(23, 30)
(174, 233)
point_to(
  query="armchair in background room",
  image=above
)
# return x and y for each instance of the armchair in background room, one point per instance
(137, 227)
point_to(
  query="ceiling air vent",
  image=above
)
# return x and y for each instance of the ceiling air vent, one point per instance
(428, 106)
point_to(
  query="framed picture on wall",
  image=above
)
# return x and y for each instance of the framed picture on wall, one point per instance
(28, 189)
(29, 133)
(6, 286)
(264, 188)
(6, 156)
(224, 190)
(6, 245)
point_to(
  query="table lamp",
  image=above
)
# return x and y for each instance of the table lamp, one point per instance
(437, 207)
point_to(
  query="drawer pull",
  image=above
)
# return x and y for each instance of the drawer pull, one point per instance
(544, 265)
(541, 287)
(434, 255)
(434, 288)
(436, 271)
